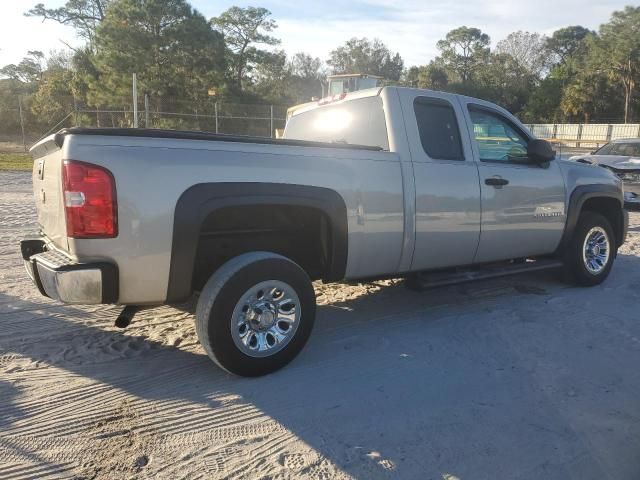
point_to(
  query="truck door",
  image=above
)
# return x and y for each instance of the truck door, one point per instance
(446, 181)
(523, 204)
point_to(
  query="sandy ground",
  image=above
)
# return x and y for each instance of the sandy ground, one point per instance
(520, 378)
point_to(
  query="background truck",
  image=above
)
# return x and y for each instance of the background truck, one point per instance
(338, 85)
(386, 182)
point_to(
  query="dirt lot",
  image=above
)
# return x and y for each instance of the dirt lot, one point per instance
(522, 378)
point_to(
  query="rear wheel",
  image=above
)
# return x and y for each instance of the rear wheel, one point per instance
(590, 254)
(255, 313)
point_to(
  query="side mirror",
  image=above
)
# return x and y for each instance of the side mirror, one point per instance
(540, 151)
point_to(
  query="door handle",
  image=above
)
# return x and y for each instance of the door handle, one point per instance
(496, 181)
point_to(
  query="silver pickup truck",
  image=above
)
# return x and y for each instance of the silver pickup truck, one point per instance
(387, 182)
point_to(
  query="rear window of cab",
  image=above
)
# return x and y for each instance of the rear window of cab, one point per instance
(358, 122)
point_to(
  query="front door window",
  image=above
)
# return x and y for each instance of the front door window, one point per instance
(497, 139)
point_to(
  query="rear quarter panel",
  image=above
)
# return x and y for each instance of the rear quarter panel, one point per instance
(151, 174)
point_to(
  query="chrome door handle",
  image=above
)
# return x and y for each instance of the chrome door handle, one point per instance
(496, 181)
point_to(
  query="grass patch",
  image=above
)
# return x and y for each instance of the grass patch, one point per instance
(16, 161)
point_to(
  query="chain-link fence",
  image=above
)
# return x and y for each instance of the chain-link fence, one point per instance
(22, 123)
(25, 120)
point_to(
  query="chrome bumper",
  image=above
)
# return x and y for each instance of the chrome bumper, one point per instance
(59, 277)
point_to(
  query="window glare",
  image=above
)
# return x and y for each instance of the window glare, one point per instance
(333, 120)
(358, 122)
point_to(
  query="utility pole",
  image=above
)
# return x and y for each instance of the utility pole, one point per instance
(24, 141)
(75, 111)
(215, 106)
(146, 110)
(271, 122)
(135, 101)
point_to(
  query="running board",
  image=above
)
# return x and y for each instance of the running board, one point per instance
(427, 280)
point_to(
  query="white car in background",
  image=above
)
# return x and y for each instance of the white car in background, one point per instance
(621, 156)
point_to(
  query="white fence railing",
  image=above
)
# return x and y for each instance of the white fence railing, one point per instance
(582, 134)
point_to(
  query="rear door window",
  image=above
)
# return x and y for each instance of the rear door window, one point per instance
(438, 128)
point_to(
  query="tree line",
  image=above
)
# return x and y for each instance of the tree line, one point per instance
(184, 60)
(574, 75)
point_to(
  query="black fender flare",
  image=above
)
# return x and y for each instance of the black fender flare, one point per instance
(200, 200)
(579, 196)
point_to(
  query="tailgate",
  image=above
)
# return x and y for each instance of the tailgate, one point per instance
(47, 190)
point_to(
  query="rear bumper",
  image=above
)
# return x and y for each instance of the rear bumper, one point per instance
(59, 277)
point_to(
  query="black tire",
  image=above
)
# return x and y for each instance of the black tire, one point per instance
(573, 259)
(221, 295)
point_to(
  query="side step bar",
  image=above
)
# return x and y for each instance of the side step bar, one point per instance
(426, 280)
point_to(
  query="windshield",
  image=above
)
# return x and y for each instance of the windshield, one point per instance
(630, 149)
(604, 150)
(360, 122)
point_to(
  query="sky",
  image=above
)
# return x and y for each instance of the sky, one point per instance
(409, 27)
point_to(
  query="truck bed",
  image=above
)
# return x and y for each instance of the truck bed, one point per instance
(152, 170)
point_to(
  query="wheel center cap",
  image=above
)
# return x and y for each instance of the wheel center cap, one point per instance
(266, 319)
(263, 316)
(595, 250)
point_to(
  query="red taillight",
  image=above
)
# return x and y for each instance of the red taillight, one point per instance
(89, 200)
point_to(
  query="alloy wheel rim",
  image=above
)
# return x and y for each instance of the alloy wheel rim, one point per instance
(266, 318)
(595, 251)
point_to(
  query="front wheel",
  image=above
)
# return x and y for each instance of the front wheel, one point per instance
(255, 313)
(590, 254)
